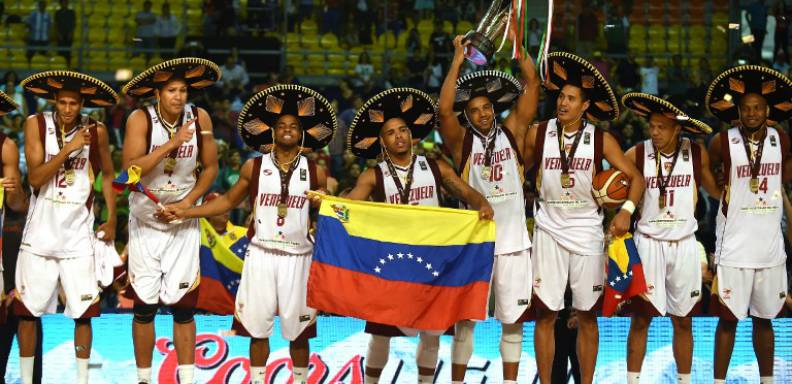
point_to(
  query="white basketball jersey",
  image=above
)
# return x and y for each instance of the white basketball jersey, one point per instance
(290, 234)
(570, 215)
(423, 190)
(167, 187)
(503, 187)
(748, 226)
(60, 216)
(676, 220)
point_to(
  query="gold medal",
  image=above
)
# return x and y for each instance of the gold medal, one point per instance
(754, 185)
(566, 181)
(282, 210)
(69, 176)
(486, 172)
(661, 201)
(170, 164)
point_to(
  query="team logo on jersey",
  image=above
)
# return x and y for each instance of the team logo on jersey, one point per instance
(587, 138)
(551, 133)
(735, 140)
(184, 285)
(523, 302)
(773, 141)
(422, 165)
(341, 212)
(695, 293)
(88, 297)
(685, 155)
(652, 155)
(304, 318)
(267, 172)
(782, 295)
(303, 175)
(597, 288)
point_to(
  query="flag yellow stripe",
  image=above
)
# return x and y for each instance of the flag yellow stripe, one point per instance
(409, 224)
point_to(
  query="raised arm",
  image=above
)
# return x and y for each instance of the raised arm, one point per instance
(615, 156)
(454, 185)
(12, 182)
(222, 204)
(450, 130)
(40, 171)
(364, 186)
(522, 115)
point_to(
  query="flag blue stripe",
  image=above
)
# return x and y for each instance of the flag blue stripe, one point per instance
(211, 268)
(451, 266)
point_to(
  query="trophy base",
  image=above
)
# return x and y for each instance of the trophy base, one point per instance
(481, 48)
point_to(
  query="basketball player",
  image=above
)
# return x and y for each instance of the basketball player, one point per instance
(170, 141)
(753, 157)
(673, 168)
(275, 274)
(11, 186)
(569, 244)
(487, 154)
(64, 150)
(403, 178)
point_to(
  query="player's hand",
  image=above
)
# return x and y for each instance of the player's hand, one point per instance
(106, 231)
(460, 46)
(486, 212)
(173, 212)
(10, 184)
(620, 223)
(184, 134)
(316, 198)
(79, 140)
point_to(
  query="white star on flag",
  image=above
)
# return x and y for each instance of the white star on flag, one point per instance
(419, 259)
(625, 276)
(435, 273)
(377, 269)
(382, 261)
(390, 257)
(409, 256)
(428, 266)
(400, 255)
(630, 273)
(612, 284)
(618, 278)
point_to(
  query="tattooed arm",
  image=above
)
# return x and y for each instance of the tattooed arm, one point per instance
(459, 189)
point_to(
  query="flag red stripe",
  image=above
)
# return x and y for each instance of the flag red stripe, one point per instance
(214, 297)
(421, 306)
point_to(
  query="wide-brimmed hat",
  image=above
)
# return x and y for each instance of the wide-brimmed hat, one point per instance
(94, 92)
(7, 104)
(566, 68)
(415, 107)
(724, 93)
(196, 72)
(259, 115)
(644, 105)
(501, 88)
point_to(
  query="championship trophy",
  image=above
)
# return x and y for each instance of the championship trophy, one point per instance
(482, 40)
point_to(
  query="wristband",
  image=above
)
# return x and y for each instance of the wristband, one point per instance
(628, 206)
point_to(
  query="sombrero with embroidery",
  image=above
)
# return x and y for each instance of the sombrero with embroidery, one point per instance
(724, 93)
(94, 92)
(196, 72)
(259, 115)
(499, 87)
(415, 107)
(644, 105)
(7, 104)
(566, 68)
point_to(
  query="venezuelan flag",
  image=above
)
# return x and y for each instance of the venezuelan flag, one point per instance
(130, 178)
(625, 274)
(221, 257)
(409, 266)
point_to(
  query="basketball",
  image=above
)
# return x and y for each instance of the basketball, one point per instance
(610, 188)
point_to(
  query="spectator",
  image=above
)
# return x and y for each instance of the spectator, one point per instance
(588, 30)
(235, 78)
(616, 31)
(678, 80)
(433, 75)
(701, 79)
(38, 23)
(331, 18)
(448, 11)
(14, 91)
(782, 18)
(351, 37)
(168, 29)
(364, 70)
(441, 44)
(534, 37)
(649, 75)
(627, 74)
(416, 64)
(413, 42)
(757, 20)
(65, 22)
(363, 15)
(305, 11)
(781, 63)
(146, 31)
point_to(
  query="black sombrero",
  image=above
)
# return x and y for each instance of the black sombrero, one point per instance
(94, 92)
(415, 107)
(566, 68)
(196, 72)
(258, 116)
(499, 87)
(7, 104)
(644, 105)
(725, 91)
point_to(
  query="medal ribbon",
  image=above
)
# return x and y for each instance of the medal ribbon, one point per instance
(755, 163)
(564, 159)
(662, 181)
(404, 191)
(285, 177)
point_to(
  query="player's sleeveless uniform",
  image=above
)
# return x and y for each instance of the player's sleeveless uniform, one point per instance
(749, 250)
(568, 234)
(275, 274)
(503, 188)
(425, 190)
(56, 251)
(665, 237)
(164, 257)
